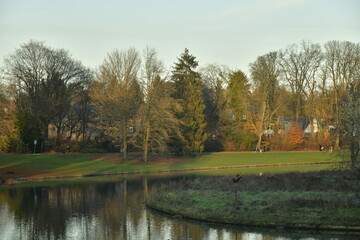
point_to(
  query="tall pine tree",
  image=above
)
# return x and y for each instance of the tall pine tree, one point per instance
(188, 92)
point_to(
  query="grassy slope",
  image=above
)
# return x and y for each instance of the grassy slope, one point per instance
(57, 165)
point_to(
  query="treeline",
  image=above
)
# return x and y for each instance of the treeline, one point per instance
(299, 97)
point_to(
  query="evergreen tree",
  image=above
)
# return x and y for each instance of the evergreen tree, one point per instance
(188, 92)
(239, 90)
(238, 94)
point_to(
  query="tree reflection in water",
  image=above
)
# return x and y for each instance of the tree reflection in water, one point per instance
(110, 210)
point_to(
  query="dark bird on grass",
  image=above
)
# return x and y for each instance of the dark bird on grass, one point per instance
(237, 179)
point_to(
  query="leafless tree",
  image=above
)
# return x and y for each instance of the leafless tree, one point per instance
(215, 80)
(116, 94)
(349, 121)
(46, 81)
(156, 116)
(342, 67)
(299, 65)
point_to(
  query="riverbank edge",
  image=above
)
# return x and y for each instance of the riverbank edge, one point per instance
(12, 181)
(176, 214)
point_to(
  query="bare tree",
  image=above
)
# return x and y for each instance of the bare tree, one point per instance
(324, 101)
(215, 81)
(46, 81)
(67, 82)
(116, 94)
(157, 120)
(342, 67)
(299, 65)
(349, 121)
(80, 117)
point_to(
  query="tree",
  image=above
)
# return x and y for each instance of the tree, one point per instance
(9, 133)
(324, 102)
(215, 79)
(69, 80)
(81, 116)
(238, 94)
(299, 65)
(264, 104)
(46, 81)
(342, 66)
(157, 119)
(349, 121)
(116, 95)
(188, 92)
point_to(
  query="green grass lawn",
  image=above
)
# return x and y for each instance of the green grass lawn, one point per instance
(252, 158)
(12, 166)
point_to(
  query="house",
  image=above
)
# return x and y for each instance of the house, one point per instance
(309, 128)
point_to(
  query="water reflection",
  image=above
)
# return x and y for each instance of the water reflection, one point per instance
(112, 210)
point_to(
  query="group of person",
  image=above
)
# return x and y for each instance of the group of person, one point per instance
(262, 149)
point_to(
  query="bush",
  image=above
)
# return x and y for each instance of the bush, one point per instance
(294, 138)
(244, 142)
(248, 141)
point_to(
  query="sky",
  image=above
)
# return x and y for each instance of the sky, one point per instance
(226, 32)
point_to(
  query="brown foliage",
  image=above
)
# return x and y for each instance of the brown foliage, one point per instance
(295, 137)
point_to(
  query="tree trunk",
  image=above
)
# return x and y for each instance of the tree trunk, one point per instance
(146, 144)
(58, 136)
(337, 141)
(337, 137)
(45, 132)
(125, 147)
(326, 132)
(261, 125)
(259, 142)
(297, 107)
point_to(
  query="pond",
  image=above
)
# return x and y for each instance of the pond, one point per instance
(114, 209)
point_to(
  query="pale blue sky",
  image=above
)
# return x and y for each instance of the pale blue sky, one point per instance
(228, 32)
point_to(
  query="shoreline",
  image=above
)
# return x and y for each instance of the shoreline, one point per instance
(300, 227)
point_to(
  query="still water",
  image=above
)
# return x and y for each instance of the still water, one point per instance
(115, 209)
